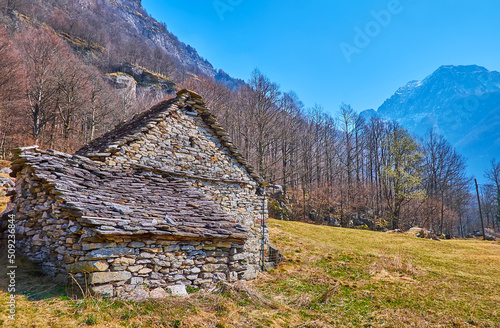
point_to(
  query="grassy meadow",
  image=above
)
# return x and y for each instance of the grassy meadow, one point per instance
(331, 277)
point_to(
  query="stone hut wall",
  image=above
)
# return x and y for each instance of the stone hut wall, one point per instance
(130, 267)
(241, 202)
(181, 144)
(178, 138)
(46, 233)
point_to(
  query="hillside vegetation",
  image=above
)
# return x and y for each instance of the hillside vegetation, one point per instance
(72, 71)
(331, 277)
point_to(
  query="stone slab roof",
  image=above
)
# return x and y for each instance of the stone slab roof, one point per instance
(126, 203)
(109, 142)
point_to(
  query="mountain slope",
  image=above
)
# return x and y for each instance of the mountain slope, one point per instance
(139, 22)
(108, 33)
(460, 102)
(157, 34)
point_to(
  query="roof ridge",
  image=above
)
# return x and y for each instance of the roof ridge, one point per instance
(120, 131)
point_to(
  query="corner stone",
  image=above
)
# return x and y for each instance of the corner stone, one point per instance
(250, 274)
(178, 290)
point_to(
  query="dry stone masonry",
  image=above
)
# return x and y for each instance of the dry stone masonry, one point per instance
(162, 202)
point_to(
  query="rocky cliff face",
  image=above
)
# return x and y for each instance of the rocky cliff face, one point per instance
(139, 22)
(460, 102)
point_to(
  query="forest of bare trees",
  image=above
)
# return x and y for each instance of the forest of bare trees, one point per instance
(347, 169)
(53, 98)
(341, 170)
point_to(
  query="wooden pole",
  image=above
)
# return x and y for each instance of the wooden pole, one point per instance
(263, 233)
(480, 212)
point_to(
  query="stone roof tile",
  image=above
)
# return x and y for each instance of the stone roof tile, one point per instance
(128, 203)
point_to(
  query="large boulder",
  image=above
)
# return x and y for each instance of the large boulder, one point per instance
(124, 83)
(147, 80)
(422, 233)
(274, 191)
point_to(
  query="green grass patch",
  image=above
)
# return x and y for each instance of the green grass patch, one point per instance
(331, 277)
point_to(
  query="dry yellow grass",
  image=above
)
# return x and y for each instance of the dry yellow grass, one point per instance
(331, 277)
(4, 163)
(3, 200)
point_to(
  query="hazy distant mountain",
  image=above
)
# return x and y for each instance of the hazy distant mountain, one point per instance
(460, 102)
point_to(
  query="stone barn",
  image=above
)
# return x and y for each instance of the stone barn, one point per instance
(159, 203)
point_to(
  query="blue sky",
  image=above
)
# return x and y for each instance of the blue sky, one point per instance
(329, 52)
